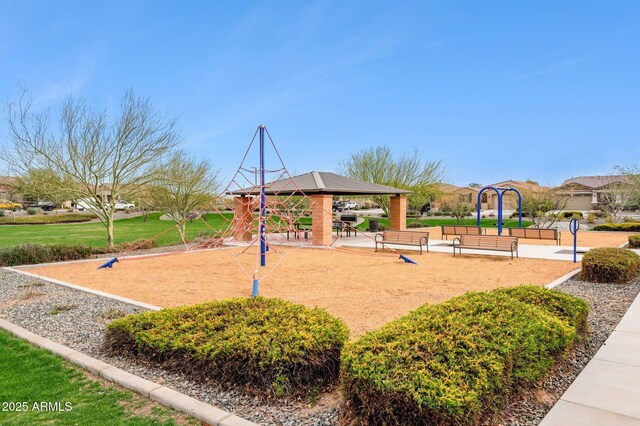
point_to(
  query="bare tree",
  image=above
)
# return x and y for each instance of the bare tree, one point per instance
(411, 172)
(184, 185)
(459, 209)
(89, 156)
(616, 198)
(543, 207)
(633, 177)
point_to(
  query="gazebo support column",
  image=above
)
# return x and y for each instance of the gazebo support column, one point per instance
(242, 219)
(321, 215)
(398, 212)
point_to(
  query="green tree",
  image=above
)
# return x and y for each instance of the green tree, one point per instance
(543, 207)
(184, 185)
(407, 171)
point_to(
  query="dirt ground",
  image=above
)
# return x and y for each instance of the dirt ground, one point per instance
(585, 238)
(365, 289)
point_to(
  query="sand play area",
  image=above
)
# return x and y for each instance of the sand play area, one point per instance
(366, 290)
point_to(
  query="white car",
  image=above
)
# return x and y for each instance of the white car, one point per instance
(349, 205)
(124, 205)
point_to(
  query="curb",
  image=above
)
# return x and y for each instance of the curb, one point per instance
(562, 279)
(161, 394)
(85, 289)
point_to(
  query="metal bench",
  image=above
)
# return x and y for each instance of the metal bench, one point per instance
(536, 234)
(407, 238)
(456, 230)
(486, 242)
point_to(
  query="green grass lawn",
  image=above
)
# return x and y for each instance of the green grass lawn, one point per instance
(30, 375)
(135, 228)
(94, 234)
(491, 222)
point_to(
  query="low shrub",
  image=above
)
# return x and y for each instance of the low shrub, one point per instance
(634, 241)
(383, 227)
(31, 254)
(41, 220)
(623, 227)
(128, 246)
(272, 346)
(630, 220)
(570, 214)
(458, 362)
(415, 225)
(610, 265)
(31, 211)
(3, 213)
(591, 217)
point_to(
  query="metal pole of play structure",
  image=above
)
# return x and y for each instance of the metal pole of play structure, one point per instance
(263, 204)
(574, 225)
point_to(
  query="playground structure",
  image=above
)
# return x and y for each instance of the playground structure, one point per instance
(268, 202)
(500, 191)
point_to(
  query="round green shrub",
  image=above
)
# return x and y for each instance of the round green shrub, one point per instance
(32, 211)
(610, 265)
(271, 346)
(634, 241)
(622, 227)
(416, 225)
(458, 362)
(2, 213)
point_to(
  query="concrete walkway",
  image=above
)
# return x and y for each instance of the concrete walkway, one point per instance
(532, 251)
(607, 391)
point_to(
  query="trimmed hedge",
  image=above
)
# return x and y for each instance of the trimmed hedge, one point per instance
(140, 244)
(634, 241)
(623, 227)
(272, 346)
(31, 254)
(459, 361)
(610, 265)
(41, 220)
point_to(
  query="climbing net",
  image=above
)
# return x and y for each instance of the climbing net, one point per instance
(261, 211)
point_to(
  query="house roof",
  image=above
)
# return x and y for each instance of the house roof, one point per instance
(595, 182)
(447, 188)
(322, 183)
(527, 186)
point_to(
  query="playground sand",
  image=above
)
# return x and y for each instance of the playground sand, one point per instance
(364, 289)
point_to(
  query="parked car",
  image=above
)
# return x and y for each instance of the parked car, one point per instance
(124, 205)
(9, 205)
(84, 204)
(47, 206)
(349, 205)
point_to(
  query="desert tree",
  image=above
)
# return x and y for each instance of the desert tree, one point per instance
(89, 155)
(617, 197)
(407, 171)
(184, 186)
(458, 208)
(544, 206)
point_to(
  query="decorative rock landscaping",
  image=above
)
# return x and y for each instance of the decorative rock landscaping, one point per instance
(77, 319)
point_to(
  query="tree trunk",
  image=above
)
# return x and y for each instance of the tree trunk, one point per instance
(110, 241)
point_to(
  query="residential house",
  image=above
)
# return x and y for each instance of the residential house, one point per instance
(586, 192)
(8, 188)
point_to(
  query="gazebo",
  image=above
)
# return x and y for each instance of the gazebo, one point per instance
(320, 187)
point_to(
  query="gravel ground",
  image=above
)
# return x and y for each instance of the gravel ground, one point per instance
(607, 305)
(77, 319)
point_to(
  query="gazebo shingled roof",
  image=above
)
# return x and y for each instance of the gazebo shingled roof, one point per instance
(322, 183)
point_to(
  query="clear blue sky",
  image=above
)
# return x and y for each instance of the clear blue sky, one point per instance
(498, 90)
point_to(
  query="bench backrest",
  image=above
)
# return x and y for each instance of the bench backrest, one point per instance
(405, 237)
(460, 230)
(534, 233)
(502, 242)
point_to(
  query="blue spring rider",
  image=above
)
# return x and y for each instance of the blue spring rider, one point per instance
(109, 264)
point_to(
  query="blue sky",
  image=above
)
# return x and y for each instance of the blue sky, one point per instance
(541, 90)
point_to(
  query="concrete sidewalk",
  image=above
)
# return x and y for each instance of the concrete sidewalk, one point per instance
(607, 391)
(533, 251)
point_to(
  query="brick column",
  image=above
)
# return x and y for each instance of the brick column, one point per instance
(398, 213)
(322, 216)
(242, 218)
